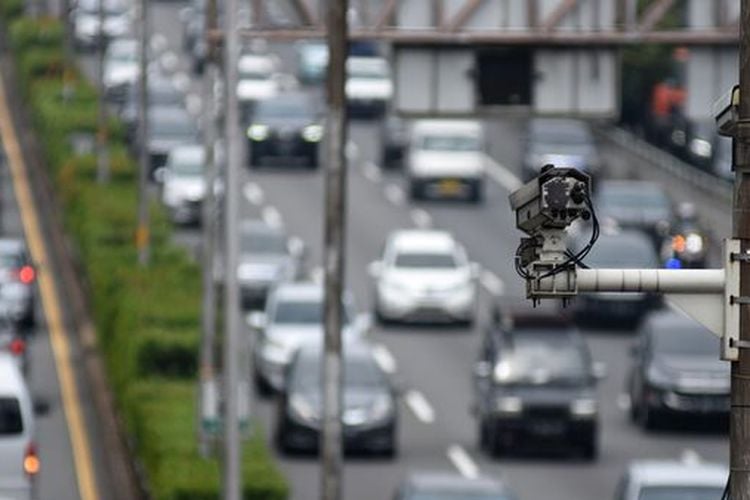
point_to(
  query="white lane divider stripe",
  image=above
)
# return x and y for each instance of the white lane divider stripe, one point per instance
(419, 406)
(421, 218)
(384, 358)
(395, 194)
(500, 174)
(272, 216)
(494, 285)
(463, 462)
(253, 193)
(352, 150)
(372, 172)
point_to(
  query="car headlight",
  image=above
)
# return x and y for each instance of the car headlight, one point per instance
(694, 243)
(583, 407)
(509, 405)
(302, 409)
(658, 378)
(393, 286)
(312, 133)
(258, 132)
(701, 147)
(276, 352)
(381, 409)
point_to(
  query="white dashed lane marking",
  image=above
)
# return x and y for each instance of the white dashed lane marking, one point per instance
(384, 358)
(419, 406)
(492, 283)
(371, 172)
(253, 194)
(500, 174)
(463, 462)
(272, 216)
(395, 194)
(421, 218)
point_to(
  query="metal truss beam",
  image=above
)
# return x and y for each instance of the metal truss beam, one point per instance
(463, 15)
(558, 14)
(655, 12)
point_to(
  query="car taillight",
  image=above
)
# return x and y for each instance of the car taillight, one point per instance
(26, 275)
(31, 463)
(17, 347)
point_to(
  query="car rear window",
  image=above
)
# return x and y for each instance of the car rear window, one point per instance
(425, 260)
(10, 416)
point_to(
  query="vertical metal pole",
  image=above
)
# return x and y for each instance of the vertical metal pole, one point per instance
(102, 132)
(232, 451)
(335, 224)
(739, 434)
(208, 386)
(143, 237)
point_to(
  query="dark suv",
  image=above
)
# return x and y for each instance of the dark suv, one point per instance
(535, 386)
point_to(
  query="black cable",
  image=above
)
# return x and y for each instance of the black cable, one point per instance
(725, 495)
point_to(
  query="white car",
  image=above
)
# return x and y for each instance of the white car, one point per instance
(660, 479)
(369, 87)
(446, 159)
(184, 183)
(121, 67)
(19, 462)
(424, 276)
(86, 21)
(257, 78)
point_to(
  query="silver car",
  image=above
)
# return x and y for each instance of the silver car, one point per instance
(86, 21)
(294, 317)
(121, 68)
(667, 479)
(268, 256)
(424, 276)
(184, 186)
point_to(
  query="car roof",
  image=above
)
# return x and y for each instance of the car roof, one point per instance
(354, 348)
(673, 472)
(446, 126)
(123, 45)
(551, 124)
(187, 151)
(8, 245)
(296, 97)
(299, 291)
(255, 62)
(11, 379)
(444, 481)
(419, 240)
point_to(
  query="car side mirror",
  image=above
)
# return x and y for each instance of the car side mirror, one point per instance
(375, 269)
(482, 369)
(257, 320)
(599, 370)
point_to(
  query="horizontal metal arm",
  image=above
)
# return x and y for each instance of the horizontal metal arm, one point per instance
(651, 280)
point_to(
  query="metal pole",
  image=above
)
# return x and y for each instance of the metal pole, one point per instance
(739, 434)
(335, 218)
(232, 451)
(208, 385)
(102, 133)
(143, 238)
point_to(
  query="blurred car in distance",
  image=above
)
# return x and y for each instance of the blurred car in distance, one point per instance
(17, 280)
(121, 68)
(161, 93)
(293, 316)
(86, 29)
(13, 343)
(268, 256)
(369, 88)
(535, 385)
(312, 62)
(424, 276)
(676, 372)
(562, 142)
(167, 129)
(621, 249)
(452, 486)
(19, 461)
(446, 159)
(394, 137)
(701, 139)
(369, 411)
(688, 244)
(257, 77)
(672, 480)
(285, 129)
(183, 183)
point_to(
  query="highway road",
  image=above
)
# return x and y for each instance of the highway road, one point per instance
(432, 365)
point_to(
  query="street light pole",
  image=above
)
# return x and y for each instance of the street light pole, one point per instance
(739, 433)
(102, 133)
(142, 237)
(231, 375)
(333, 263)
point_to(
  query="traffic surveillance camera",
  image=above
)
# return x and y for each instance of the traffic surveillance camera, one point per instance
(552, 200)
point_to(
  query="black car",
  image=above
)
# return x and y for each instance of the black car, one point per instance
(626, 249)
(444, 486)
(676, 371)
(369, 411)
(635, 205)
(169, 127)
(535, 386)
(394, 138)
(284, 130)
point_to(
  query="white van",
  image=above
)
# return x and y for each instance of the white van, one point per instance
(19, 462)
(446, 159)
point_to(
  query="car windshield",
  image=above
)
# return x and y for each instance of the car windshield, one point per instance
(111, 8)
(542, 357)
(302, 312)
(450, 143)
(425, 260)
(173, 127)
(274, 109)
(263, 243)
(681, 493)
(456, 495)
(315, 55)
(684, 339)
(373, 69)
(11, 260)
(10, 416)
(359, 372)
(254, 75)
(187, 166)
(623, 252)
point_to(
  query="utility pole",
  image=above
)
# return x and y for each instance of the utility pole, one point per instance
(102, 132)
(231, 374)
(739, 434)
(142, 235)
(333, 257)
(208, 386)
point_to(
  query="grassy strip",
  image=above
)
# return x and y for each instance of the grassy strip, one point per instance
(147, 319)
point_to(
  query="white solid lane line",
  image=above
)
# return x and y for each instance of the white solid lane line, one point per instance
(395, 194)
(253, 194)
(272, 216)
(371, 172)
(494, 285)
(421, 218)
(384, 358)
(419, 406)
(463, 462)
(500, 174)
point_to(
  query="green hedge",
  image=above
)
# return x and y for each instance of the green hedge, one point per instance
(147, 320)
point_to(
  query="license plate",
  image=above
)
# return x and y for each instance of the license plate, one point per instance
(548, 428)
(450, 187)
